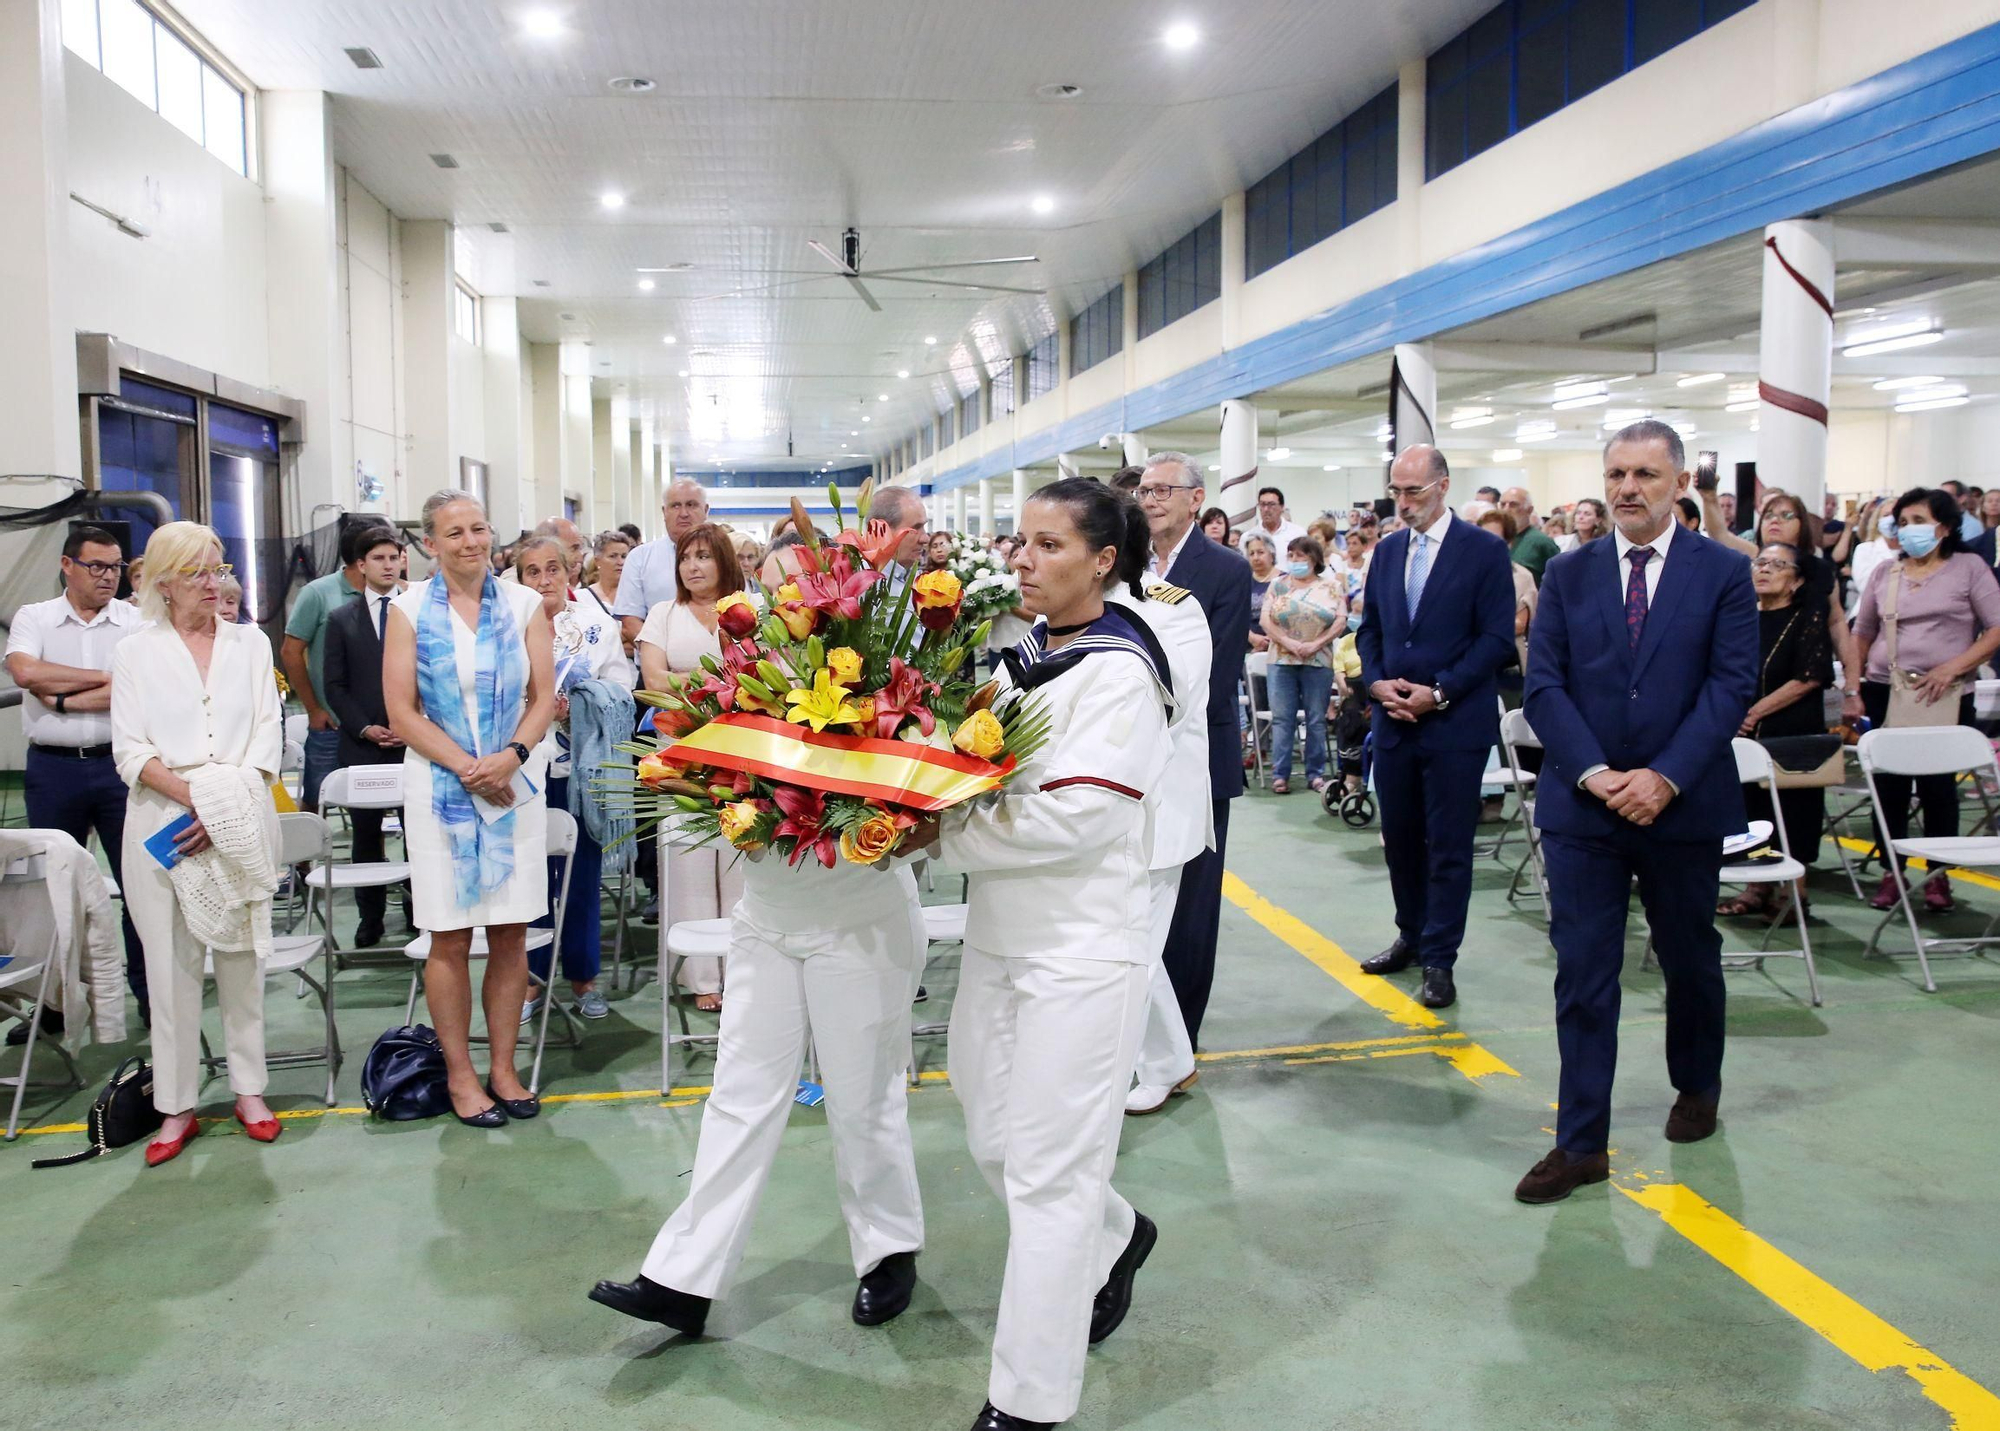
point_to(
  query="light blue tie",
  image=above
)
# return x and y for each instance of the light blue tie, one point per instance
(1420, 570)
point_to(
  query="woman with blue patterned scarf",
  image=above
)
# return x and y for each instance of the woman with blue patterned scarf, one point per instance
(468, 680)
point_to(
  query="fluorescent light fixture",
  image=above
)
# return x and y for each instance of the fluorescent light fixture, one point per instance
(1586, 400)
(646, 285)
(1565, 392)
(1331, 467)
(541, 24)
(1459, 424)
(1540, 430)
(670, 340)
(1932, 404)
(1182, 36)
(1695, 380)
(1751, 406)
(1278, 454)
(1685, 429)
(1506, 454)
(1215, 466)
(1893, 340)
(1043, 204)
(1942, 390)
(611, 199)
(683, 373)
(1890, 385)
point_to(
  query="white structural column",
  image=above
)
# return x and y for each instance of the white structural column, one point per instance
(1234, 266)
(1236, 489)
(986, 506)
(1413, 396)
(308, 339)
(958, 509)
(428, 374)
(38, 405)
(509, 446)
(1795, 361)
(1020, 494)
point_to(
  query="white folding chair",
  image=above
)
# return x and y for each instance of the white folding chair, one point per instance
(358, 787)
(1516, 735)
(303, 838)
(1504, 778)
(1929, 750)
(689, 939)
(1753, 767)
(27, 982)
(1256, 700)
(562, 846)
(943, 924)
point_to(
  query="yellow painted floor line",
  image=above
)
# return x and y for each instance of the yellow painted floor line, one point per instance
(1469, 1058)
(1863, 847)
(1287, 1051)
(1836, 1316)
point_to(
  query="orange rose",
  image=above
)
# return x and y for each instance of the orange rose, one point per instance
(979, 735)
(655, 770)
(738, 824)
(845, 663)
(872, 839)
(936, 588)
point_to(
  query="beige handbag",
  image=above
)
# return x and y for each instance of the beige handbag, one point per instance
(1906, 706)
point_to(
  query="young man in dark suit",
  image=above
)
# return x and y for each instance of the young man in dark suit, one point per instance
(1170, 489)
(1641, 665)
(353, 672)
(1440, 625)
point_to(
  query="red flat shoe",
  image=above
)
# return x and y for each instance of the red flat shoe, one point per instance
(264, 1131)
(158, 1152)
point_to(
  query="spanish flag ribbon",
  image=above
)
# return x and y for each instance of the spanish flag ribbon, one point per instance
(894, 771)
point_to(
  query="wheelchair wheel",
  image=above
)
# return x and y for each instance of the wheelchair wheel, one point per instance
(1331, 797)
(1358, 809)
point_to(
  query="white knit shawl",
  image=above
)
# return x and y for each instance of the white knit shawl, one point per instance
(225, 891)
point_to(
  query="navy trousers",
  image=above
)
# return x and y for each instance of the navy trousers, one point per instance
(1589, 884)
(581, 939)
(1189, 958)
(1430, 813)
(76, 797)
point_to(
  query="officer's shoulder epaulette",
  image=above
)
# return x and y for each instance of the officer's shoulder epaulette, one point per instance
(1171, 595)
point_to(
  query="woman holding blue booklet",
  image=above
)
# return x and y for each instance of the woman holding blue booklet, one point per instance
(468, 681)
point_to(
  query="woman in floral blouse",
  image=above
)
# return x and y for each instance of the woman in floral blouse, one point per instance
(1304, 613)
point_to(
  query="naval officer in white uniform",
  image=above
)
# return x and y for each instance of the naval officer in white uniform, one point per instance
(1058, 951)
(1183, 824)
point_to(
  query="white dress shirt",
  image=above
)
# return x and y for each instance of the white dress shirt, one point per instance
(1658, 560)
(1435, 535)
(1288, 532)
(1160, 568)
(55, 631)
(647, 580)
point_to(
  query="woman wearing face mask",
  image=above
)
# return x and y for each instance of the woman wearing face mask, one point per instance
(1304, 614)
(1928, 620)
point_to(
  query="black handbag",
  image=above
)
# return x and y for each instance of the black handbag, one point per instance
(403, 1076)
(122, 1113)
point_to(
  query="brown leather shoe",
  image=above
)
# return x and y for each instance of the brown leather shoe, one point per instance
(1692, 1118)
(1560, 1174)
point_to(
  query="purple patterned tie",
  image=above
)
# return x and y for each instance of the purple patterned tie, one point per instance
(1635, 595)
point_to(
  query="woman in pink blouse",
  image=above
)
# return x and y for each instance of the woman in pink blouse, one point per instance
(1934, 614)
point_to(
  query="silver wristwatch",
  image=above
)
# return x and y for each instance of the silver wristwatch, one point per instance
(1437, 695)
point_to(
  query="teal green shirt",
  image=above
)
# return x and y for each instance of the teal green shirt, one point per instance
(317, 602)
(1532, 549)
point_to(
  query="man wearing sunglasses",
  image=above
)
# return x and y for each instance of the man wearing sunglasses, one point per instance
(59, 654)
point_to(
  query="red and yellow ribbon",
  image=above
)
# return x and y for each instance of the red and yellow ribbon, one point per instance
(893, 771)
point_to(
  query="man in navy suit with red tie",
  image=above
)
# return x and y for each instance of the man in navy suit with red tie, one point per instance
(1642, 663)
(1439, 625)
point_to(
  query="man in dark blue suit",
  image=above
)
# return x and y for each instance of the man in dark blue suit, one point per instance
(1170, 490)
(1641, 665)
(1439, 625)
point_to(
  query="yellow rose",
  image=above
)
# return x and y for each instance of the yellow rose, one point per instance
(864, 716)
(845, 664)
(738, 823)
(656, 769)
(936, 588)
(789, 592)
(980, 735)
(872, 839)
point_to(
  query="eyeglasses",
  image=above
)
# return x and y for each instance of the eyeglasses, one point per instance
(1395, 491)
(99, 568)
(207, 573)
(1767, 564)
(1154, 491)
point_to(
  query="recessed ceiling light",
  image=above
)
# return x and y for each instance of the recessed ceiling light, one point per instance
(1043, 204)
(929, 342)
(1182, 36)
(646, 285)
(541, 24)
(683, 373)
(902, 372)
(867, 419)
(1215, 466)
(1695, 380)
(881, 397)
(1279, 454)
(670, 340)
(1330, 467)
(611, 199)
(364, 58)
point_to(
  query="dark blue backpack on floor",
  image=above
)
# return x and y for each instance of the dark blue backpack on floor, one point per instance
(403, 1076)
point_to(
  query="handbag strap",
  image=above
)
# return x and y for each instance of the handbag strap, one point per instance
(1889, 605)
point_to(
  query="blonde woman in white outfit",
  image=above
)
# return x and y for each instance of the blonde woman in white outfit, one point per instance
(189, 692)
(1058, 950)
(468, 682)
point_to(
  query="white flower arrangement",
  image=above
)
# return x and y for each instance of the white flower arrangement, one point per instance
(989, 587)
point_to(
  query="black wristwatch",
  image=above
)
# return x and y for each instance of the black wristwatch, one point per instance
(62, 704)
(520, 751)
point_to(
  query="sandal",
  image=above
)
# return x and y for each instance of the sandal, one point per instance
(1747, 903)
(708, 1003)
(1281, 787)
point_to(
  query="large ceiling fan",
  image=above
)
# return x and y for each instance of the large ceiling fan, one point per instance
(847, 265)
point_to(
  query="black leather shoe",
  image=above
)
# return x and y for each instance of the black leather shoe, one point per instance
(52, 1027)
(522, 1108)
(368, 936)
(992, 1418)
(1692, 1118)
(1560, 1174)
(1114, 1298)
(885, 1292)
(649, 1301)
(487, 1118)
(1394, 959)
(1439, 991)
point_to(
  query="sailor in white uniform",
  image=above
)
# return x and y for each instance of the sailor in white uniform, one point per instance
(1183, 824)
(1059, 952)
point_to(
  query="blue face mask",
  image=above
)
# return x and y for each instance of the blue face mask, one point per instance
(1299, 569)
(1918, 541)
(1354, 621)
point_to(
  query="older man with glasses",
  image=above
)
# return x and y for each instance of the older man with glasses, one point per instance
(59, 654)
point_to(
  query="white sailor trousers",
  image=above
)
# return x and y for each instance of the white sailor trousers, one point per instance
(174, 977)
(848, 990)
(1166, 1053)
(1041, 1059)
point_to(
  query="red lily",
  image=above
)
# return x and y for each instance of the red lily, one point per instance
(836, 590)
(804, 811)
(902, 696)
(876, 541)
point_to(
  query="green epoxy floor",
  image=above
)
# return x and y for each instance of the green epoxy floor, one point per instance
(1338, 1243)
